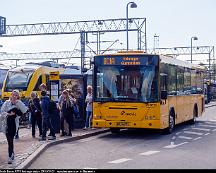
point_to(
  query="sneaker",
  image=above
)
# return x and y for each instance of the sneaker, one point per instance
(52, 138)
(63, 134)
(69, 134)
(16, 137)
(84, 128)
(10, 160)
(12, 156)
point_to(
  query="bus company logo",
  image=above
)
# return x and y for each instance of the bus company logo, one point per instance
(128, 113)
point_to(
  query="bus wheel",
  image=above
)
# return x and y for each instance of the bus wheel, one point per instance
(193, 120)
(114, 130)
(170, 129)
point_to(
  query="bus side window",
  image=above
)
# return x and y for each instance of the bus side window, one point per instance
(163, 85)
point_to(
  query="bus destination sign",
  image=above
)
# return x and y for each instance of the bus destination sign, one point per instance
(122, 60)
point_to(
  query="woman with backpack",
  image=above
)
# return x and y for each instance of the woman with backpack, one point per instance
(36, 116)
(9, 113)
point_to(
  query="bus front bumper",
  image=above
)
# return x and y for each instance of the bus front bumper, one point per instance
(149, 124)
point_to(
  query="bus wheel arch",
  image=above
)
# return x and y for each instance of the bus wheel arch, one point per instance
(195, 114)
(171, 122)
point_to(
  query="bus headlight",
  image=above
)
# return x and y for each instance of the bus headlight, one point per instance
(97, 117)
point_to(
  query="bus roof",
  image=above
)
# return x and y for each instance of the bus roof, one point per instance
(163, 58)
(174, 61)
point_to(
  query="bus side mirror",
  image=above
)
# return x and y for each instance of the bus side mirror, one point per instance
(164, 95)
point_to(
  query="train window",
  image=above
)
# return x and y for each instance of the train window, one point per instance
(38, 84)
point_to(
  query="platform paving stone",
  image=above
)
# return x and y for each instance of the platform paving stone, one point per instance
(26, 147)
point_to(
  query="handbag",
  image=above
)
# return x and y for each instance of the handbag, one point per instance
(3, 123)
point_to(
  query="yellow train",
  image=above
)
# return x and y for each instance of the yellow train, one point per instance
(27, 78)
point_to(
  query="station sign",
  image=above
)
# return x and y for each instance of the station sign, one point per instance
(54, 76)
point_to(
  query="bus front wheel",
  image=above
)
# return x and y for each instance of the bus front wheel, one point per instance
(171, 126)
(114, 130)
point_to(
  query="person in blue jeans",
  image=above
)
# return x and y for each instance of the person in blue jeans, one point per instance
(88, 101)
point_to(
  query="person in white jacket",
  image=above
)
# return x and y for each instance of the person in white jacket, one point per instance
(10, 120)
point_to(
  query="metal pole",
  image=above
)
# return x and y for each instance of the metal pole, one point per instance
(99, 42)
(210, 67)
(192, 38)
(191, 49)
(127, 24)
(82, 42)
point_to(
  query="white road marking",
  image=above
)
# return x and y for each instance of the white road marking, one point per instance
(120, 160)
(194, 133)
(205, 125)
(179, 132)
(197, 138)
(206, 134)
(184, 137)
(173, 146)
(149, 153)
(195, 128)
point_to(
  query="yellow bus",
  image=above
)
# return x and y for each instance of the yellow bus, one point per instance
(138, 90)
(27, 78)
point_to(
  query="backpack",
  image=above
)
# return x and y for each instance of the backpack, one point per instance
(52, 107)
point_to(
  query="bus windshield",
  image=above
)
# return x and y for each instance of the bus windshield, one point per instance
(18, 80)
(127, 83)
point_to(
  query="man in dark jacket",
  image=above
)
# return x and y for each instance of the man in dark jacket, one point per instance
(36, 116)
(46, 123)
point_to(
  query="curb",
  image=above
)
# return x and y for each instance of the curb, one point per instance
(43, 147)
(210, 106)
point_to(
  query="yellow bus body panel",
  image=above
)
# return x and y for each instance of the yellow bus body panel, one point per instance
(126, 115)
(146, 115)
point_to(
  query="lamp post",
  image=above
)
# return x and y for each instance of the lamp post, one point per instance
(132, 5)
(192, 38)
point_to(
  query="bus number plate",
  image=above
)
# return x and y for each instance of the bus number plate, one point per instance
(122, 123)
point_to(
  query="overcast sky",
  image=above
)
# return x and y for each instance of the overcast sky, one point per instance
(174, 21)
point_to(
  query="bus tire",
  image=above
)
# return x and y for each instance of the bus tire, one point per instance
(114, 130)
(195, 114)
(171, 127)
